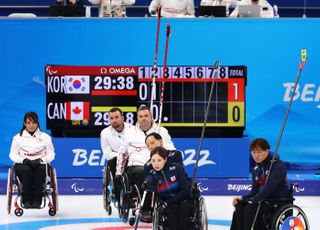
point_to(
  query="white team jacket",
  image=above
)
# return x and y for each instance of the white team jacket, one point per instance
(111, 140)
(39, 145)
(173, 8)
(134, 148)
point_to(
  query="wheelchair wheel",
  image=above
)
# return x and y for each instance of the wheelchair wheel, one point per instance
(54, 192)
(18, 211)
(52, 212)
(132, 221)
(155, 220)
(124, 202)
(202, 217)
(9, 189)
(159, 222)
(290, 217)
(139, 197)
(106, 192)
(105, 186)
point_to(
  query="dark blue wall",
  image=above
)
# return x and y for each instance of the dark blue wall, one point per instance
(286, 8)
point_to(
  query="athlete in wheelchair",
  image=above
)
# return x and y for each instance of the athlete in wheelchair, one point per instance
(31, 177)
(129, 178)
(111, 138)
(269, 205)
(176, 207)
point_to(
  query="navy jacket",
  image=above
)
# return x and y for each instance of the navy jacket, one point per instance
(170, 183)
(276, 186)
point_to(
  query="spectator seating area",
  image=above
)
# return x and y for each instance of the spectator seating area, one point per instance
(296, 8)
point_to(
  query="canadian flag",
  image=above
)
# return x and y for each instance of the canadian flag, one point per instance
(77, 84)
(77, 110)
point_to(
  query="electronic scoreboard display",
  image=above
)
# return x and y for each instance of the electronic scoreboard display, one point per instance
(78, 98)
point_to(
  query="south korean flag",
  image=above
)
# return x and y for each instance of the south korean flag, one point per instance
(77, 84)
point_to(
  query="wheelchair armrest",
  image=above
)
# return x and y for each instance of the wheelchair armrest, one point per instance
(286, 199)
(279, 202)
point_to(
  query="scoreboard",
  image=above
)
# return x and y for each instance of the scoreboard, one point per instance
(78, 98)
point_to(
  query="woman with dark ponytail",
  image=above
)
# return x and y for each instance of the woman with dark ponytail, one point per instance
(169, 182)
(31, 150)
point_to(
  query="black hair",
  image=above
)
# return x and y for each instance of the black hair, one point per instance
(156, 136)
(143, 107)
(162, 152)
(116, 109)
(33, 116)
(259, 143)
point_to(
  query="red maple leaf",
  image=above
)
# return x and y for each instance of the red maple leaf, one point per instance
(76, 110)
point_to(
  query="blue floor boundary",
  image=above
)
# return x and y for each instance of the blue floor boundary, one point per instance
(44, 223)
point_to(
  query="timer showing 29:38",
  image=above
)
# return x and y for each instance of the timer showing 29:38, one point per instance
(113, 83)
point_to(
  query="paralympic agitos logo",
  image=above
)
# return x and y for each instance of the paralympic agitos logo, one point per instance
(308, 92)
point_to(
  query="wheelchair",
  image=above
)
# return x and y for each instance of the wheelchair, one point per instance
(286, 215)
(49, 192)
(108, 185)
(199, 219)
(129, 199)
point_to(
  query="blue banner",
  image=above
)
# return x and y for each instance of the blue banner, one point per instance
(207, 186)
(270, 49)
(219, 157)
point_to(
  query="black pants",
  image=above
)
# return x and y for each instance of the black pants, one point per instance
(32, 179)
(112, 164)
(244, 214)
(136, 176)
(179, 215)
